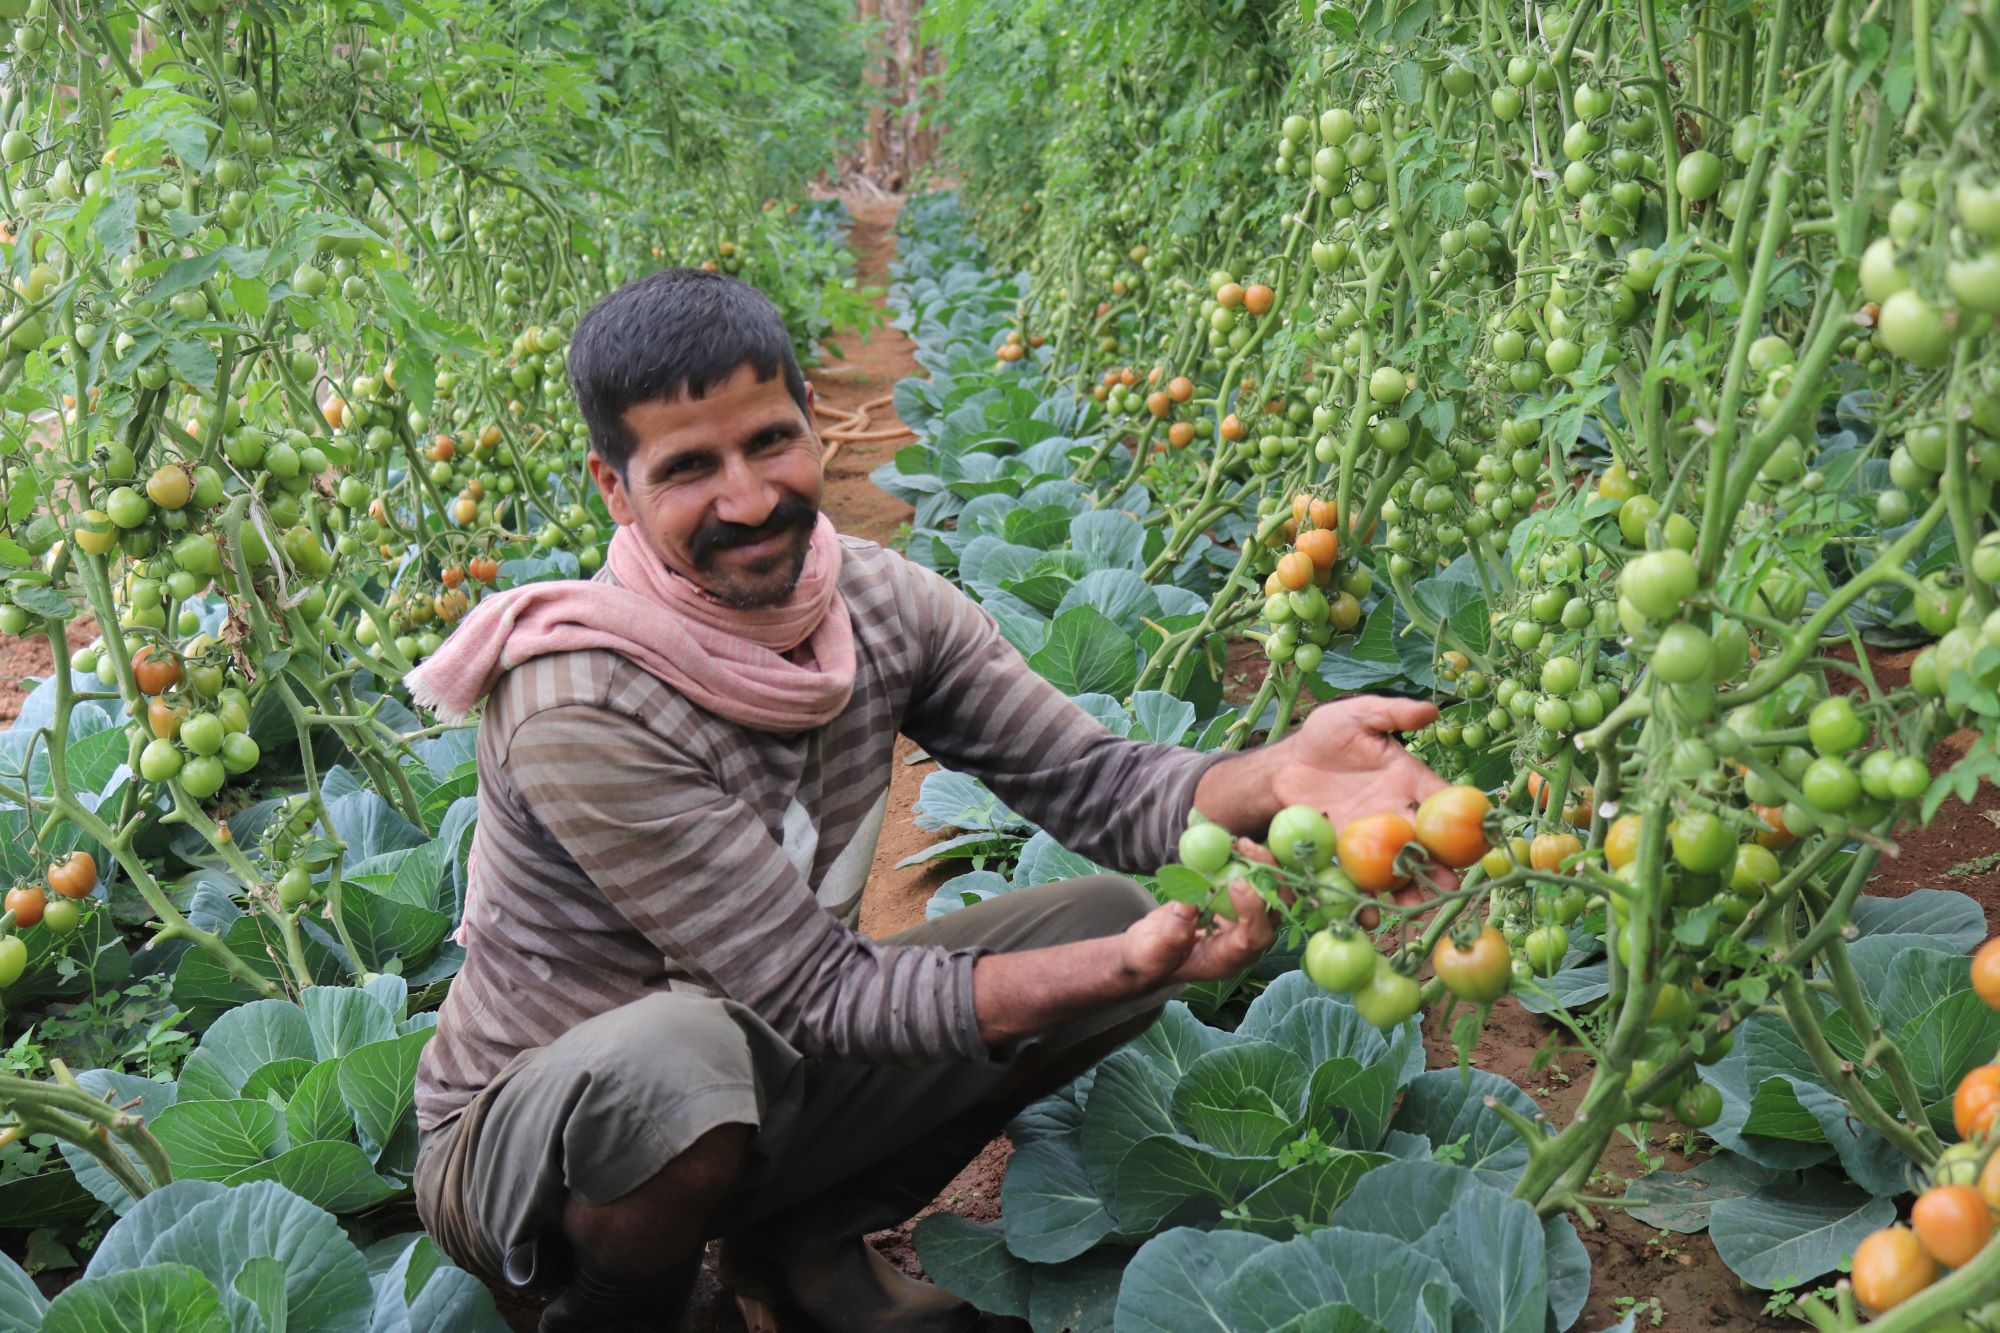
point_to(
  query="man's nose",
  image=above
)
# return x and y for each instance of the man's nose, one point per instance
(742, 496)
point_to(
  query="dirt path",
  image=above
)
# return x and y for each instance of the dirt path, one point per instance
(866, 368)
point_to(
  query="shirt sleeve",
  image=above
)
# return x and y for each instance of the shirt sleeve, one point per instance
(695, 871)
(978, 707)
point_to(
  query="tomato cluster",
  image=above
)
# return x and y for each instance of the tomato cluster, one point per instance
(1329, 883)
(1310, 594)
(56, 904)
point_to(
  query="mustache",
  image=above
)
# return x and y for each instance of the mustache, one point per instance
(790, 514)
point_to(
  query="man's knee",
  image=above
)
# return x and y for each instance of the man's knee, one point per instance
(648, 1083)
(1109, 904)
(667, 1044)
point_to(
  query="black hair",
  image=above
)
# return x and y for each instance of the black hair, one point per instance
(678, 331)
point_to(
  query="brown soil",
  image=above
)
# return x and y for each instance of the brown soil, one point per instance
(865, 368)
(21, 659)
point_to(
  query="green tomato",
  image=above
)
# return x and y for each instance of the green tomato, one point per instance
(1545, 948)
(1830, 784)
(1703, 843)
(239, 753)
(1874, 771)
(1685, 654)
(203, 733)
(1387, 385)
(1716, 1049)
(1834, 726)
(160, 760)
(1301, 836)
(1633, 516)
(1699, 1107)
(1341, 962)
(1699, 175)
(127, 508)
(1658, 582)
(1937, 606)
(203, 777)
(294, 887)
(1389, 997)
(61, 916)
(1204, 848)
(1673, 1007)
(1912, 328)
(13, 960)
(1560, 675)
(1986, 559)
(1756, 869)
(1909, 778)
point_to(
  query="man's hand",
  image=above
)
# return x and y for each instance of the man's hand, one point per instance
(1342, 761)
(1166, 945)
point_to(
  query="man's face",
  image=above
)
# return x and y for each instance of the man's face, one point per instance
(724, 488)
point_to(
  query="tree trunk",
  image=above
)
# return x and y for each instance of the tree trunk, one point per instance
(898, 142)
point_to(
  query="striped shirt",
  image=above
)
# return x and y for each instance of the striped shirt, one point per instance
(630, 842)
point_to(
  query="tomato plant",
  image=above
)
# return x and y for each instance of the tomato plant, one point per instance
(1647, 399)
(282, 334)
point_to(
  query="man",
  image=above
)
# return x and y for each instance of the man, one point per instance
(666, 1029)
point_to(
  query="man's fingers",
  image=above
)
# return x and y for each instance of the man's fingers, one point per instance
(1252, 850)
(1246, 900)
(1437, 878)
(1253, 917)
(1384, 712)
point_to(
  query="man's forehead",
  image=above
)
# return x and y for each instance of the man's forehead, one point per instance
(742, 398)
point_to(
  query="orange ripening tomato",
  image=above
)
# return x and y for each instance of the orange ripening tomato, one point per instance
(1307, 506)
(1257, 298)
(75, 875)
(1295, 570)
(1989, 1181)
(1953, 1222)
(1451, 824)
(1180, 388)
(1232, 428)
(1986, 973)
(155, 671)
(27, 902)
(1774, 834)
(1158, 403)
(1891, 1266)
(1320, 546)
(1549, 850)
(1181, 434)
(1367, 850)
(1976, 1103)
(1621, 841)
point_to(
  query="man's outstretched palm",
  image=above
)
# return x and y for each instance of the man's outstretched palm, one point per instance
(1345, 761)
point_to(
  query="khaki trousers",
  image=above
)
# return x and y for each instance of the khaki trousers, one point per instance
(602, 1109)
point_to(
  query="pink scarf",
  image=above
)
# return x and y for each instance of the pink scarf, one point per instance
(723, 659)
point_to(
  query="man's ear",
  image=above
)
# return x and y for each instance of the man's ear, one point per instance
(611, 486)
(812, 412)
